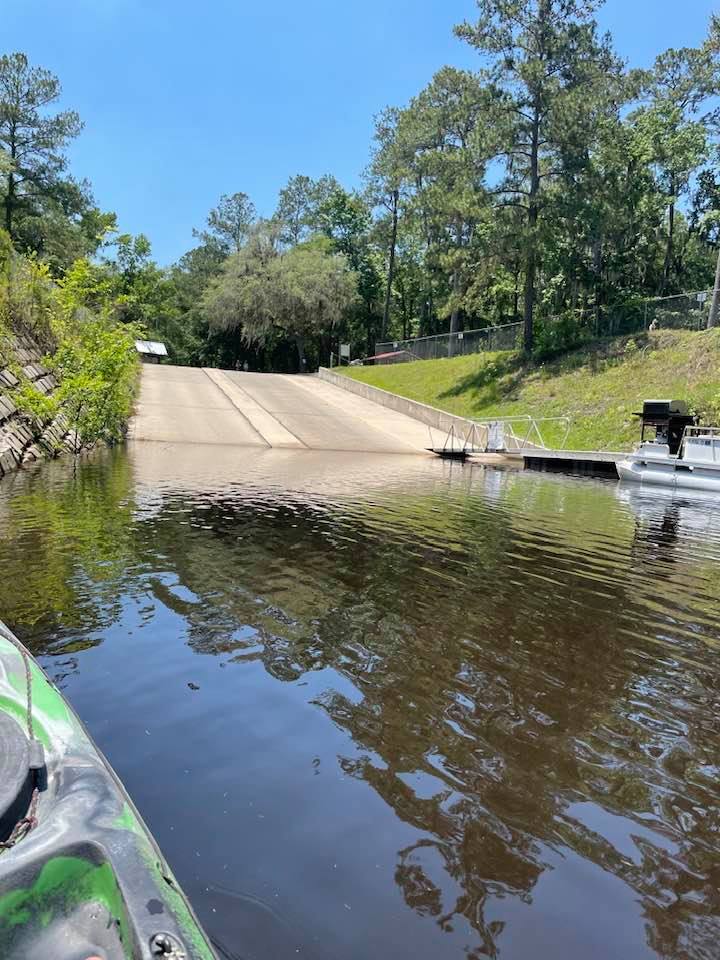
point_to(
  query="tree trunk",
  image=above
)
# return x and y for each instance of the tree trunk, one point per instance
(455, 315)
(326, 345)
(369, 328)
(597, 269)
(714, 317)
(530, 269)
(424, 326)
(9, 202)
(10, 195)
(300, 344)
(456, 284)
(404, 309)
(669, 248)
(531, 258)
(427, 315)
(391, 264)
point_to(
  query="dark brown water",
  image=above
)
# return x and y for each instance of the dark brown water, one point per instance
(391, 707)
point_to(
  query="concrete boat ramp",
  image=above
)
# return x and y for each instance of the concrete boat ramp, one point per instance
(204, 406)
(189, 405)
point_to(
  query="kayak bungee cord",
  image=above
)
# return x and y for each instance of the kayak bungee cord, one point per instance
(36, 755)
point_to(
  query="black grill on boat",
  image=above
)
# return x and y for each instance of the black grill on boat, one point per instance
(668, 418)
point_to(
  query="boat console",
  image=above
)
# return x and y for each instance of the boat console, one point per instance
(668, 419)
(679, 454)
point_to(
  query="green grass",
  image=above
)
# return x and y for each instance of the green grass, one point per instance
(598, 386)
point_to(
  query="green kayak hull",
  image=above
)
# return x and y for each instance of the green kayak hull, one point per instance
(80, 875)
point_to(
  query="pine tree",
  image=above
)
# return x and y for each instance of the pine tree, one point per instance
(549, 72)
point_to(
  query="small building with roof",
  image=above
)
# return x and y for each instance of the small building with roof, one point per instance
(151, 351)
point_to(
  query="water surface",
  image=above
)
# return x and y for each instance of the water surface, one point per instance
(388, 706)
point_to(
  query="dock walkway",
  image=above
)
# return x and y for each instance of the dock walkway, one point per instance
(574, 461)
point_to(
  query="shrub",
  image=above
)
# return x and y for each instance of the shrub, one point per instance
(558, 335)
(38, 408)
(74, 320)
(28, 295)
(631, 348)
(97, 367)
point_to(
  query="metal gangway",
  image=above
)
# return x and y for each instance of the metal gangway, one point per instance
(501, 435)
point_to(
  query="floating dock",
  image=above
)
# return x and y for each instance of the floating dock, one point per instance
(570, 461)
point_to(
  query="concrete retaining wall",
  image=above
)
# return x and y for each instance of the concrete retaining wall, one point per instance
(411, 408)
(426, 414)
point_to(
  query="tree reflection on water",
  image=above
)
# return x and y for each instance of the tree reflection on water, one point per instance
(531, 664)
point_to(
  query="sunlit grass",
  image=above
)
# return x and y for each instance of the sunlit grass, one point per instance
(598, 386)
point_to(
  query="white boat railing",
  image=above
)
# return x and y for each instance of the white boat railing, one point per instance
(703, 433)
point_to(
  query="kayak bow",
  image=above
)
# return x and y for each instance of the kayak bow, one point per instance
(81, 878)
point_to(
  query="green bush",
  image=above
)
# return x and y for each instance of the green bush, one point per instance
(558, 335)
(91, 353)
(39, 408)
(97, 367)
(28, 295)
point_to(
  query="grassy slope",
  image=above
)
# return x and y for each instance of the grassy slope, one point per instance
(598, 387)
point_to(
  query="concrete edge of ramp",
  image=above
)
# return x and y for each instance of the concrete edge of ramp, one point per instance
(264, 423)
(433, 417)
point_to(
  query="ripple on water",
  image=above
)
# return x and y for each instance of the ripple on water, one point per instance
(374, 705)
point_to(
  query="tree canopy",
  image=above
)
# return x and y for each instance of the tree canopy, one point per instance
(44, 209)
(548, 184)
(265, 292)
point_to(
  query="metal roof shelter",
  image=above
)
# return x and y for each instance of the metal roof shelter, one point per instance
(151, 350)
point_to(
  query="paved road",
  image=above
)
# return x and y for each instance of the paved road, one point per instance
(189, 405)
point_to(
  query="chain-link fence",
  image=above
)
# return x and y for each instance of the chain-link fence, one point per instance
(505, 337)
(686, 311)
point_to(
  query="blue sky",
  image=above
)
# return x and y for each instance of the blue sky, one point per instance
(184, 100)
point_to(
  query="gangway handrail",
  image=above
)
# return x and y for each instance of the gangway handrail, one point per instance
(471, 441)
(533, 428)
